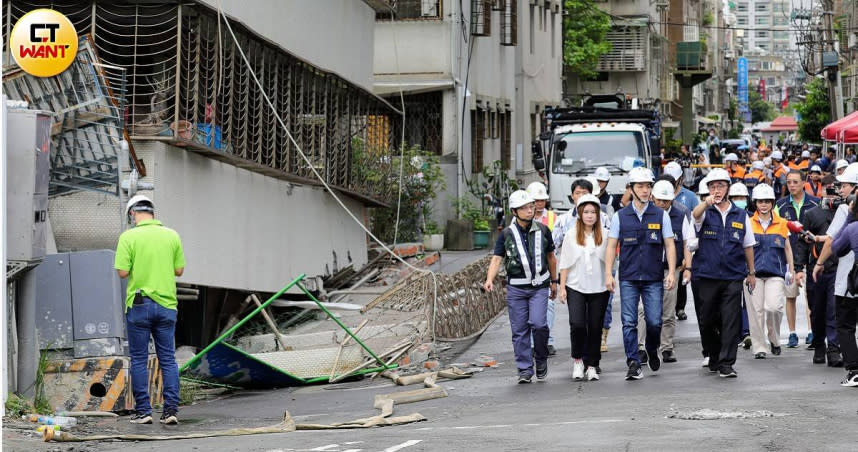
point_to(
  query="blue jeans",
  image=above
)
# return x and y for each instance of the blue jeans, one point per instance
(145, 320)
(528, 308)
(552, 306)
(608, 316)
(651, 294)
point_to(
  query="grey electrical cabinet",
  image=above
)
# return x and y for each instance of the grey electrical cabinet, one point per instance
(80, 304)
(28, 151)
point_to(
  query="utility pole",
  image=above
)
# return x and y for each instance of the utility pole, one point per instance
(831, 60)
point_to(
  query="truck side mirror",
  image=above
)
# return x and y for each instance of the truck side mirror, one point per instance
(537, 156)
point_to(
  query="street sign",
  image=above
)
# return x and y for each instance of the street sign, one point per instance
(742, 88)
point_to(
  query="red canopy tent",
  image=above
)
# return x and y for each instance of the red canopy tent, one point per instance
(782, 124)
(833, 131)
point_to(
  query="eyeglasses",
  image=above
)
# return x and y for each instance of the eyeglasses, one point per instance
(718, 186)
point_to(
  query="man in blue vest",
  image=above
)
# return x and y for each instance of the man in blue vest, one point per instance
(724, 258)
(527, 251)
(793, 207)
(645, 236)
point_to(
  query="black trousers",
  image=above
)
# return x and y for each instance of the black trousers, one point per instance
(847, 317)
(821, 301)
(720, 319)
(586, 315)
(695, 291)
(682, 296)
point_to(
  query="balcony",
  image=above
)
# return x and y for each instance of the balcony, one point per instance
(692, 56)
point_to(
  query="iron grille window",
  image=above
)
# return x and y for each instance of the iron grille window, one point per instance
(423, 115)
(508, 22)
(477, 130)
(410, 10)
(494, 125)
(628, 52)
(506, 139)
(481, 17)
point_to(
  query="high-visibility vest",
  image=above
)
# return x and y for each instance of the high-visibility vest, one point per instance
(813, 189)
(549, 218)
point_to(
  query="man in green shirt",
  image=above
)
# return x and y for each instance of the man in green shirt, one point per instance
(150, 256)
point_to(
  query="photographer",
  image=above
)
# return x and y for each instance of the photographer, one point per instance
(820, 293)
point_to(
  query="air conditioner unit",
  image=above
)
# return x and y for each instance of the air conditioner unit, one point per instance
(429, 8)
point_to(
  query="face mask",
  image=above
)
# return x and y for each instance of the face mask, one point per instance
(741, 204)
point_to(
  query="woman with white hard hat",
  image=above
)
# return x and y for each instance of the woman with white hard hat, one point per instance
(582, 286)
(539, 193)
(526, 249)
(773, 262)
(840, 166)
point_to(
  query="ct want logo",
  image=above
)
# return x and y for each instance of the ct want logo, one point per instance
(43, 42)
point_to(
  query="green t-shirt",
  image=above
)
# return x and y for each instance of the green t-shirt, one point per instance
(151, 253)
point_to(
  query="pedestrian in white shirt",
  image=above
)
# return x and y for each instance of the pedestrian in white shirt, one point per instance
(582, 286)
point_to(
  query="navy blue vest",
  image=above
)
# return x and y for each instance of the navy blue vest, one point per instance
(677, 215)
(720, 254)
(770, 255)
(641, 244)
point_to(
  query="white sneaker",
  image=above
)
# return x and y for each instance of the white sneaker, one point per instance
(578, 369)
(705, 362)
(592, 374)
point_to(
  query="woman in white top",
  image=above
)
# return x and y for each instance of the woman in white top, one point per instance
(582, 285)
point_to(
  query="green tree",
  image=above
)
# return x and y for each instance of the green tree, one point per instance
(761, 110)
(815, 113)
(584, 29)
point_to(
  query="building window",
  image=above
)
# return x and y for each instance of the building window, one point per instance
(628, 49)
(411, 10)
(477, 131)
(742, 20)
(534, 126)
(481, 17)
(780, 34)
(493, 125)
(532, 28)
(761, 7)
(761, 20)
(779, 7)
(763, 45)
(423, 121)
(506, 139)
(509, 22)
(551, 37)
(761, 34)
(781, 20)
(742, 8)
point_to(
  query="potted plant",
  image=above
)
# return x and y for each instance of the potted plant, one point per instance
(433, 237)
(481, 233)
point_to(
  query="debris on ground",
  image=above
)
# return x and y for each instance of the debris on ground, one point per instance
(707, 414)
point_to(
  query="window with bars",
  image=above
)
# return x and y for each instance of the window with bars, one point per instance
(478, 125)
(423, 114)
(506, 139)
(481, 17)
(494, 124)
(628, 52)
(411, 10)
(762, 20)
(509, 22)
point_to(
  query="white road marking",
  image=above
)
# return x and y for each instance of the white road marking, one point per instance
(471, 427)
(328, 447)
(403, 445)
(352, 450)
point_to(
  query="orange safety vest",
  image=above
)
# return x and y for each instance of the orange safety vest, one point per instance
(738, 174)
(778, 226)
(813, 189)
(799, 166)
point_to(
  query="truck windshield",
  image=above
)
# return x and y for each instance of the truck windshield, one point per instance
(587, 150)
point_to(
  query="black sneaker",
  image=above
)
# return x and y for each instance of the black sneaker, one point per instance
(170, 418)
(776, 350)
(643, 356)
(680, 315)
(551, 350)
(727, 372)
(541, 370)
(746, 342)
(524, 377)
(760, 355)
(851, 380)
(834, 357)
(668, 356)
(819, 355)
(635, 372)
(141, 418)
(654, 362)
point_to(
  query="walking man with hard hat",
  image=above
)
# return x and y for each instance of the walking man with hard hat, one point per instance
(689, 200)
(645, 236)
(734, 169)
(150, 255)
(543, 215)
(683, 230)
(526, 249)
(603, 176)
(779, 173)
(724, 258)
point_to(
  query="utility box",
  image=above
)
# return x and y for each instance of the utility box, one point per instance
(81, 304)
(28, 151)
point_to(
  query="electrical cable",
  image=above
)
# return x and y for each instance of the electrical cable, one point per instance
(322, 180)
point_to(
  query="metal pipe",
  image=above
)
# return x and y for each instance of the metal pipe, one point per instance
(184, 297)
(187, 290)
(357, 292)
(360, 282)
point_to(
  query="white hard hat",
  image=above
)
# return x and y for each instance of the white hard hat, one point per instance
(136, 199)
(777, 155)
(718, 174)
(663, 190)
(841, 164)
(815, 169)
(588, 198)
(758, 164)
(738, 189)
(767, 161)
(805, 154)
(537, 191)
(763, 191)
(602, 174)
(519, 198)
(595, 183)
(673, 170)
(850, 175)
(703, 188)
(641, 174)
(731, 157)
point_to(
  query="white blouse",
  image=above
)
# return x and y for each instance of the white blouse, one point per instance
(586, 263)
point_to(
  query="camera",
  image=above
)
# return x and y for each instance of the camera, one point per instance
(834, 203)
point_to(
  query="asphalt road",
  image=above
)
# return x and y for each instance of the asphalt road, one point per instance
(785, 403)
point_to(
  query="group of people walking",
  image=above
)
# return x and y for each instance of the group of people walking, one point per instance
(732, 246)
